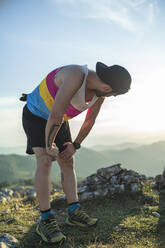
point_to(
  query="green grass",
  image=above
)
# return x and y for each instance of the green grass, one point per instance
(137, 227)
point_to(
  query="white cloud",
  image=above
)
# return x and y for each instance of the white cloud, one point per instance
(129, 14)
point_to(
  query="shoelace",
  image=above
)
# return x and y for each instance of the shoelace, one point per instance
(81, 213)
(51, 227)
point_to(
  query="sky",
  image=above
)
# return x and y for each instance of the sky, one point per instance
(38, 36)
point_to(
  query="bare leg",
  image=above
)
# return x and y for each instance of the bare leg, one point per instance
(42, 177)
(68, 179)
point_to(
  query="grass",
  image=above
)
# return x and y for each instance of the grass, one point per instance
(123, 222)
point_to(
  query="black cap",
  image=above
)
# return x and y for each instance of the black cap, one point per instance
(116, 76)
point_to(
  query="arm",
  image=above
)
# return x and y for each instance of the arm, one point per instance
(72, 80)
(85, 129)
(89, 120)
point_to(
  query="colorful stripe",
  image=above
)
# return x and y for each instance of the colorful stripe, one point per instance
(72, 111)
(52, 87)
(41, 100)
(66, 118)
(45, 94)
(37, 105)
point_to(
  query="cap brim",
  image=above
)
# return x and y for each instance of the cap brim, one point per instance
(100, 67)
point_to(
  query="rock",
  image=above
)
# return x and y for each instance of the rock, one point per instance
(112, 189)
(30, 192)
(109, 171)
(103, 192)
(121, 188)
(119, 226)
(82, 189)
(86, 195)
(3, 199)
(7, 192)
(3, 245)
(10, 221)
(92, 187)
(114, 180)
(19, 190)
(130, 179)
(93, 179)
(134, 187)
(10, 241)
(156, 214)
(16, 194)
(5, 212)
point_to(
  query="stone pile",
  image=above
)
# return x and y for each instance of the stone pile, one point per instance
(19, 191)
(108, 181)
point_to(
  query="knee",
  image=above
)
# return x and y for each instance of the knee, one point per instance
(66, 165)
(44, 162)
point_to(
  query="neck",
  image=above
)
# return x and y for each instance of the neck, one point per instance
(92, 81)
(90, 86)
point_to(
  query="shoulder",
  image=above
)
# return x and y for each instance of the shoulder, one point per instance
(72, 72)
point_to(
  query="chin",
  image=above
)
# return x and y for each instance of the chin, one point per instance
(98, 93)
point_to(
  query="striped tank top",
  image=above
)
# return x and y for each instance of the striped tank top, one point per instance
(41, 99)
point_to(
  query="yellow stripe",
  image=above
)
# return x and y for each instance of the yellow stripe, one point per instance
(45, 94)
(48, 99)
(66, 117)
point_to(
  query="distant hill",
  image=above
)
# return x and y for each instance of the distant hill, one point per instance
(121, 146)
(146, 159)
(13, 150)
(13, 167)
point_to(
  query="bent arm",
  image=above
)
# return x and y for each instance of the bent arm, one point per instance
(71, 82)
(89, 120)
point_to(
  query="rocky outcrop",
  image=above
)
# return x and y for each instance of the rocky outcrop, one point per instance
(108, 181)
(159, 183)
(19, 191)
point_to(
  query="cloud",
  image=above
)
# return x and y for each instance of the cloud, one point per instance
(129, 14)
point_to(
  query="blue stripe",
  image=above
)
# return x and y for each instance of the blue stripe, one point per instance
(36, 104)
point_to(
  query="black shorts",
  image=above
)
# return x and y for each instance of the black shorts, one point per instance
(34, 127)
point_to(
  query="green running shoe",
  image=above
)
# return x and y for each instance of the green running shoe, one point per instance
(49, 230)
(80, 218)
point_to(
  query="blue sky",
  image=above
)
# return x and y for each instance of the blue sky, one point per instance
(37, 36)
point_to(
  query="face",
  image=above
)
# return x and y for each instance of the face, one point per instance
(100, 93)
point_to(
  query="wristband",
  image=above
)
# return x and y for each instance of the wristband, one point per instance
(76, 145)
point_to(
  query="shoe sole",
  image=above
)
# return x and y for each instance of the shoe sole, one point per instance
(49, 242)
(71, 224)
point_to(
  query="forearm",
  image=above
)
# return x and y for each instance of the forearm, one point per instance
(52, 127)
(84, 131)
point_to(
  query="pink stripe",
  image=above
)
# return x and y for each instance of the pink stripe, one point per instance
(71, 111)
(50, 83)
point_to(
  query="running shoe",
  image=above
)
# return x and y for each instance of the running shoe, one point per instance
(49, 230)
(80, 218)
